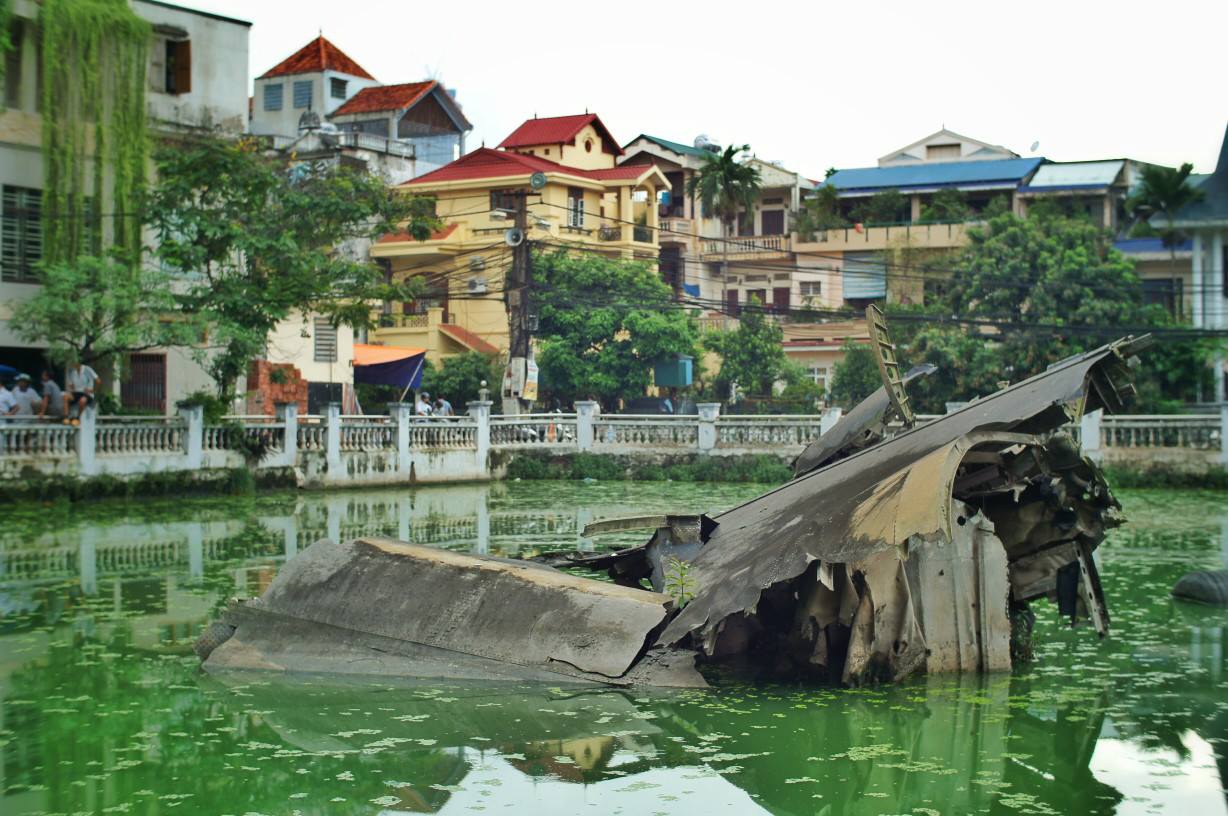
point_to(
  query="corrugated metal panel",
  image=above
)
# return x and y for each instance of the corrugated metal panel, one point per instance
(1071, 174)
(934, 174)
(865, 275)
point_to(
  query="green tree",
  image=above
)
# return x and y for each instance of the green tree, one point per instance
(459, 379)
(725, 185)
(1164, 191)
(255, 240)
(604, 323)
(1042, 288)
(856, 376)
(884, 207)
(751, 355)
(820, 212)
(946, 206)
(96, 310)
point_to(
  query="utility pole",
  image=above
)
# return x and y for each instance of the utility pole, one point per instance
(520, 378)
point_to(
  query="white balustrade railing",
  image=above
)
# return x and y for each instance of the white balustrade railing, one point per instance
(139, 435)
(533, 430)
(646, 431)
(766, 431)
(1198, 432)
(443, 433)
(26, 438)
(368, 433)
(226, 437)
(312, 434)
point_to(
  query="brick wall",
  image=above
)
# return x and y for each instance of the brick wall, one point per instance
(263, 393)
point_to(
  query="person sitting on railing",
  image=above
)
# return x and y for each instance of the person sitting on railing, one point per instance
(442, 407)
(8, 404)
(80, 383)
(422, 407)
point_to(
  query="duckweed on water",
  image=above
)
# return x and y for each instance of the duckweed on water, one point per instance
(104, 708)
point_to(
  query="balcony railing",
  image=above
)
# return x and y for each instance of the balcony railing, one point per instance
(749, 244)
(642, 234)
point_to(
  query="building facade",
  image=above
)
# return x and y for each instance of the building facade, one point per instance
(587, 202)
(197, 81)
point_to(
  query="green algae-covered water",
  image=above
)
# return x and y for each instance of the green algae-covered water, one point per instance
(103, 708)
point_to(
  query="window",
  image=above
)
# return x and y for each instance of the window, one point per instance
(811, 289)
(12, 65)
(575, 207)
(936, 152)
(273, 97)
(336, 87)
(588, 145)
(377, 127)
(1166, 292)
(773, 222)
(818, 375)
(178, 67)
(325, 341)
(502, 199)
(302, 93)
(21, 233)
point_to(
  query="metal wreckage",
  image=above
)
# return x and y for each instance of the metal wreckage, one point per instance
(884, 557)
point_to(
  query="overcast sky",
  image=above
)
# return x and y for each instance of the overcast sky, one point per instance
(814, 84)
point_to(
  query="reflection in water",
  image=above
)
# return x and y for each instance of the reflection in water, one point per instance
(102, 705)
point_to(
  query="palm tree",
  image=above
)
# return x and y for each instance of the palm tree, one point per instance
(724, 185)
(1164, 191)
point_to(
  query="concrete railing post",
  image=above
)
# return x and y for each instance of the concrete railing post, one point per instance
(1223, 433)
(708, 412)
(193, 436)
(479, 411)
(585, 411)
(332, 444)
(1089, 434)
(399, 411)
(829, 419)
(87, 440)
(287, 413)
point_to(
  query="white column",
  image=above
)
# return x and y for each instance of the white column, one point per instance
(1223, 431)
(287, 413)
(196, 551)
(1089, 434)
(86, 441)
(1196, 281)
(194, 436)
(399, 411)
(584, 423)
(479, 411)
(332, 446)
(708, 412)
(1214, 277)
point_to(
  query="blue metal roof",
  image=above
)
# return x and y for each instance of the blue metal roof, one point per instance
(937, 174)
(1132, 246)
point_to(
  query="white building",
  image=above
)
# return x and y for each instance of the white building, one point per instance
(197, 81)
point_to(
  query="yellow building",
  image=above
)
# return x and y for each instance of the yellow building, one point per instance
(588, 201)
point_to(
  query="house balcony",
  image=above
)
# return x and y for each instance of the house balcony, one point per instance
(676, 231)
(747, 248)
(888, 236)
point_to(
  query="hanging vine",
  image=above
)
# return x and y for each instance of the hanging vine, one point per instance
(6, 42)
(94, 127)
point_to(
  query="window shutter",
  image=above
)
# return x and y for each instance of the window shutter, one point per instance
(273, 97)
(325, 341)
(581, 214)
(183, 66)
(21, 234)
(302, 94)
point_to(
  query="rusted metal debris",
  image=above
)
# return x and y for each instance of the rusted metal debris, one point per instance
(881, 559)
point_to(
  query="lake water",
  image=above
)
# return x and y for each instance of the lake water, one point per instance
(103, 708)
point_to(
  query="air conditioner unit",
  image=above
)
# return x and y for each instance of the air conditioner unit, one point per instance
(477, 263)
(477, 286)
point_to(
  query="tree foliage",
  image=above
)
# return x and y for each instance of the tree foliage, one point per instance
(1163, 191)
(96, 309)
(94, 75)
(725, 185)
(604, 323)
(459, 379)
(820, 212)
(856, 376)
(946, 206)
(884, 207)
(751, 355)
(254, 240)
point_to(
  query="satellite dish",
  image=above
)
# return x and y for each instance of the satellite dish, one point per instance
(514, 237)
(1035, 145)
(537, 180)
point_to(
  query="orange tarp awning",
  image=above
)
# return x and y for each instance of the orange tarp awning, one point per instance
(367, 354)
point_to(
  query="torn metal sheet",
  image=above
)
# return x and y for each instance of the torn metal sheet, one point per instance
(372, 593)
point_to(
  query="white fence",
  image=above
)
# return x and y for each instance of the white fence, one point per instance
(333, 448)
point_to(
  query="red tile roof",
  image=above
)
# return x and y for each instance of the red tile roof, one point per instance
(385, 98)
(467, 338)
(559, 130)
(317, 55)
(488, 163)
